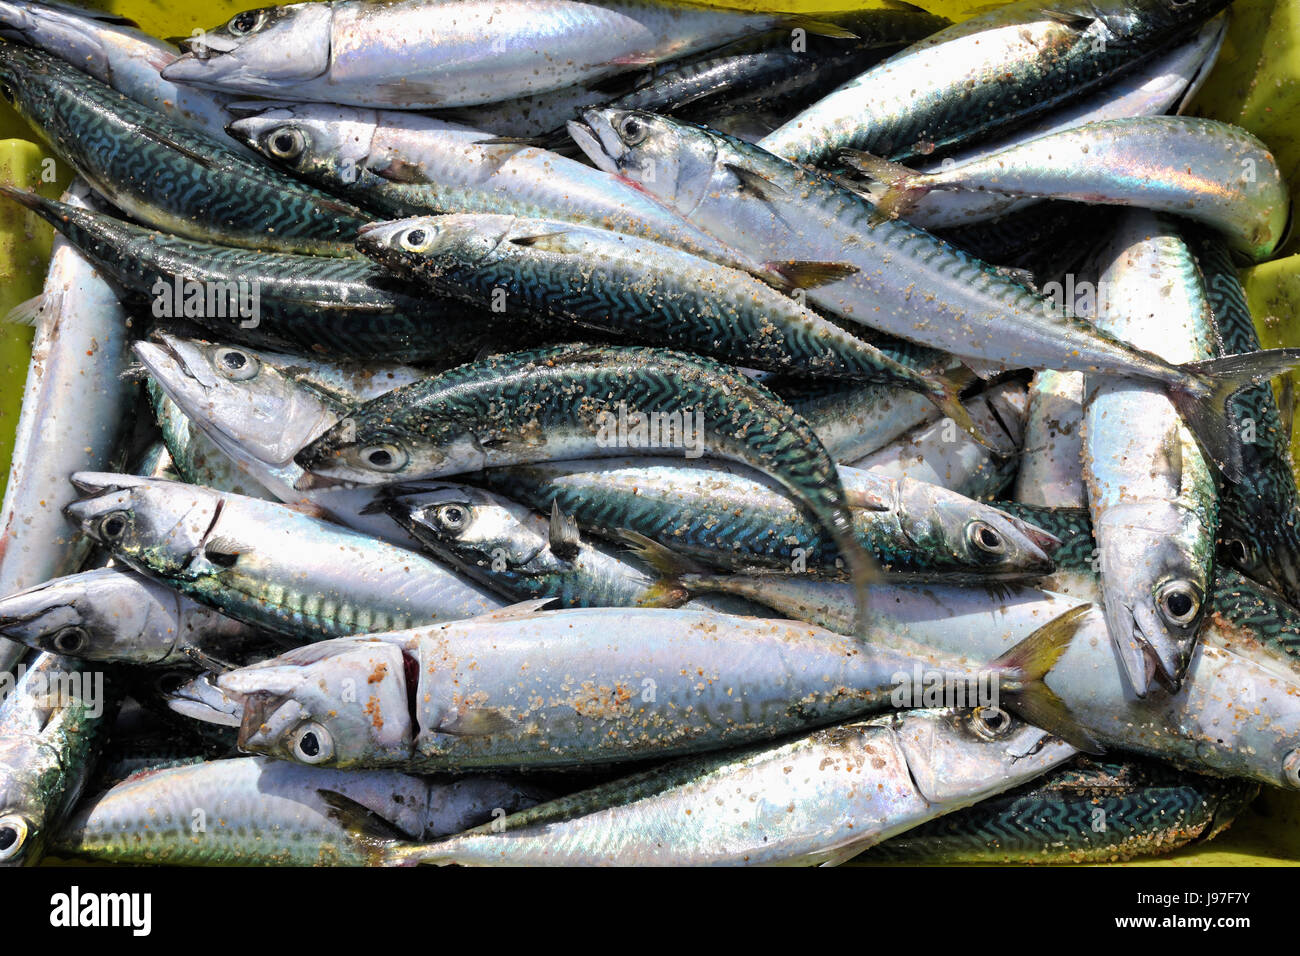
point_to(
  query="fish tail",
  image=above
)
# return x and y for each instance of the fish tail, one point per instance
(897, 188)
(669, 590)
(1021, 671)
(945, 392)
(1202, 399)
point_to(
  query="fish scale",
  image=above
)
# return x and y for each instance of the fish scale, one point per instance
(188, 184)
(557, 396)
(1260, 512)
(345, 306)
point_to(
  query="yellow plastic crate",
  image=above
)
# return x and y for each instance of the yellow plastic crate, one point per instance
(1256, 84)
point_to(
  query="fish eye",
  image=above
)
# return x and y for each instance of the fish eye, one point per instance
(13, 837)
(453, 518)
(632, 130)
(313, 744)
(386, 457)
(113, 525)
(70, 640)
(285, 142)
(986, 538)
(236, 365)
(990, 722)
(242, 24)
(1291, 768)
(1179, 602)
(416, 240)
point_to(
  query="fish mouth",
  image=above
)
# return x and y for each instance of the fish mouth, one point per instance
(203, 700)
(312, 481)
(589, 142)
(1139, 657)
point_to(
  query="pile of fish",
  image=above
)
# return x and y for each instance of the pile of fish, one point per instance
(556, 432)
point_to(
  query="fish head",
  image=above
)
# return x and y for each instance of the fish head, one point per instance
(1273, 560)
(673, 161)
(1155, 580)
(105, 615)
(25, 799)
(160, 527)
(425, 247)
(964, 755)
(470, 525)
(336, 703)
(328, 145)
(262, 50)
(249, 397)
(983, 541)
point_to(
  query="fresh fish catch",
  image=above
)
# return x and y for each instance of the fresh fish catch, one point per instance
(647, 432)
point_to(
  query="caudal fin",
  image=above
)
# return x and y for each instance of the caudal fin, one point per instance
(1203, 401)
(897, 188)
(1023, 668)
(945, 394)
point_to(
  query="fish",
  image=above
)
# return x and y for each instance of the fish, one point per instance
(853, 421)
(515, 551)
(250, 811)
(113, 51)
(346, 307)
(113, 615)
(81, 349)
(642, 290)
(572, 401)
(975, 79)
(427, 54)
(938, 454)
(721, 515)
(1151, 492)
(1049, 474)
(1259, 516)
(193, 457)
(1201, 169)
(397, 165)
(256, 408)
(1087, 811)
(575, 687)
(265, 564)
(818, 799)
(54, 717)
(764, 204)
(171, 177)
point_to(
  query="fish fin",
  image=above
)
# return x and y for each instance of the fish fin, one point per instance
(520, 141)
(362, 824)
(205, 660)
(1078, 21)
(99, 16)
(945, 393)
(1203, 404)
(28, 312)
(516, 611)
(400, 171)
(562, 533)
(546, 242)
(667, 591)
(755, 183)
(1025, 666)
(820, 28)
(809, 274)
(23, 197)
(476, 722)
(876, 169)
